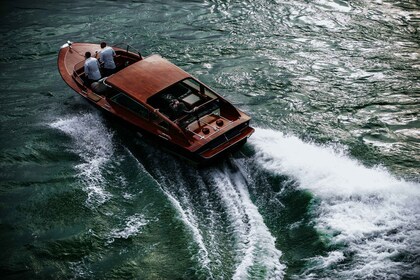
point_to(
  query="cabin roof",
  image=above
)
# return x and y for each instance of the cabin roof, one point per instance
(147, 77)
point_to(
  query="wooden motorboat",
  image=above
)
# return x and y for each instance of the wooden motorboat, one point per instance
(162, 101)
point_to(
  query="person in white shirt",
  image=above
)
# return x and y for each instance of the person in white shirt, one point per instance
(106, 57)
(92, 72)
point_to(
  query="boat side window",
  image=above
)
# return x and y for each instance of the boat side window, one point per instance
(131, 104)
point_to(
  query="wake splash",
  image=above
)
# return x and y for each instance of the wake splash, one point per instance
(371, 216)
(132, 227)
(229, 237)
(255, 245)
(94, 145)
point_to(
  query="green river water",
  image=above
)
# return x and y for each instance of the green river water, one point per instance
(327, 187)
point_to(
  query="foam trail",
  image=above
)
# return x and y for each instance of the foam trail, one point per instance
(187, 216)
(375, 215)
(93, 143)
(256, 245)
(185, 212)
(190, 221)
(132, 227)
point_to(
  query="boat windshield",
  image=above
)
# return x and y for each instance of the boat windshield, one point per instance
(127, 47)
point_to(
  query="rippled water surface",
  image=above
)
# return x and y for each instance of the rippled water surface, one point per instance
(326, 188)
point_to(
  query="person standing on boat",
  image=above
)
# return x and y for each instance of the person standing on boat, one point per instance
(92, 72)
(106, 57)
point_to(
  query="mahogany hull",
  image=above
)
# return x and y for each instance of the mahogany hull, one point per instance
(196, 146)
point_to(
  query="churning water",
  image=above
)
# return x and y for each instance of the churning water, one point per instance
(326, 188)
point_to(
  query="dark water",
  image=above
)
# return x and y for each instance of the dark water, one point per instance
(327, 187)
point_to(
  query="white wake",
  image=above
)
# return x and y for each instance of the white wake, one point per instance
(372, 213)
(255, 245)
(223, 194)
(94, 145)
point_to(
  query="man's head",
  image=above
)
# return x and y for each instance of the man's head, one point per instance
(103, 45)
(87, 54)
